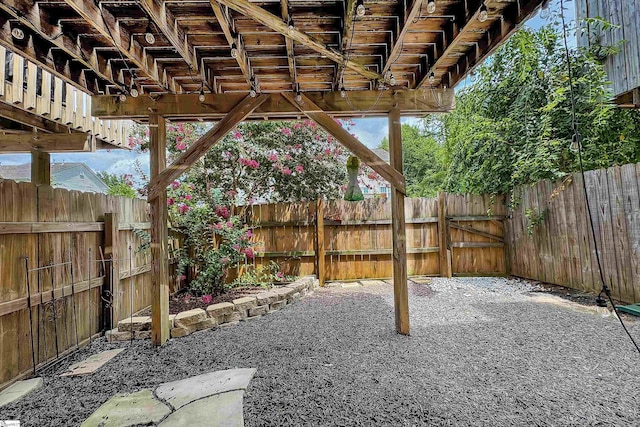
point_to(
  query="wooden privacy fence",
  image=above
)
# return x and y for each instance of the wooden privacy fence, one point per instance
(352, 240)
(549, 236)
(54, 248)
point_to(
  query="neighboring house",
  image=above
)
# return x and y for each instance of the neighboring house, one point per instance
(372, 185)
(72, 176)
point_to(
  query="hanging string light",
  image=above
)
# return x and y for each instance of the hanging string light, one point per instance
(431, 6)
(545, 11)
(291, 27)
(122, 97)
(432, 77)
(360, 9)
(343, 93)
(17, 33)
(234, 50)
(148, 35)
(133, 91)
(484, 14)
(473, 76)
(201, 96)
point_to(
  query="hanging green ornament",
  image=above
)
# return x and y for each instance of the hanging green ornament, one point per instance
(353, 193)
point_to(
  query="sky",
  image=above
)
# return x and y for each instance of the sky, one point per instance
(369, 131)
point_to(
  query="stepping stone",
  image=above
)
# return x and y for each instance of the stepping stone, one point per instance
(350, 285)
(18, 390)
(125, 410)
(189, 318)
(136, 323)
(421, 280)
(91, 363)
(220, 309)
(221, 410)
(182, 392)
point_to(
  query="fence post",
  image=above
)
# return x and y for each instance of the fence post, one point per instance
(320, 241)
(111, 244)
(443, 237)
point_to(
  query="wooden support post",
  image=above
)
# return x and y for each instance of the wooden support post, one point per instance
(40, 168)
(400, 288)
(443, 237)
(159, 235)
(112, 273)
(320, 253)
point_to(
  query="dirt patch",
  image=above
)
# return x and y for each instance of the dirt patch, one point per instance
(184, 301)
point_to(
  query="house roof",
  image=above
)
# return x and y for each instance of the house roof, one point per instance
(382, 153)
(72, 176)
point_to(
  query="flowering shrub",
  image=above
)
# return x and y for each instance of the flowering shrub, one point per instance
(216, 240)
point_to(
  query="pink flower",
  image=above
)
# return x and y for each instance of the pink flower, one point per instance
(237, 135)
(188, 197)
(250, 163)
(298, 146)
(249, 234)
(248, 252)
(279, 275)
(231, 193)
(299, 169)
(225, 260)
(286, 171)
(170, 201)
(183, 209)
(229, 224)
(273, 157)
(297, 125)
(218, 226)
(327, 152)
(236, 247)
(286, 131)
(206, 299)
(288, 157)
(175, 185)
(181, 146)
(222, 211)
(182, 278)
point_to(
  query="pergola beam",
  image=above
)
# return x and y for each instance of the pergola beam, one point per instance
(107, 25)
(275, 23)
(187, 107)
(168, 26)
(396, 50)
(291, 55)
(199, 148)
(347, 31)
(46, 142)
(315, 113)
(39, 21)
(226, 25)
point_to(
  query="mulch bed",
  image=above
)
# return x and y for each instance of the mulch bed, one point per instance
(183, 301)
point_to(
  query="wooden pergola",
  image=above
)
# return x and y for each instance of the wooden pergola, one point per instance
(232, 60)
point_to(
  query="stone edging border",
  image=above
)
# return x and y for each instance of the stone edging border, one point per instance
(222, 314)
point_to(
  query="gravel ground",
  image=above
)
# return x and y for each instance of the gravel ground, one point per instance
(481, 352)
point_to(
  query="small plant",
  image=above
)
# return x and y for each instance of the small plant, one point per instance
(534, 219)
(262, 276)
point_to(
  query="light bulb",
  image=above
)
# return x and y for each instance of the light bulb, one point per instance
(392, 80)
(432, 77)
(253, 93)
(360, 9)
(123, 97)
(431, 6)
(291, 28)
(149, 37)
(201, 96)
(483, 15)
(298, 97)
(575, 145)
(234, 51)
(544, 11)
(473, 76)
(134, 92)
(343, 93)
(17, 33)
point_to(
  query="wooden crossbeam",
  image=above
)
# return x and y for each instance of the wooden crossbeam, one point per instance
(200, 147)
(511, 19)
(226, 25)
(347, 31)
(107, 25)
(306, 106)
(275, 23)
(16, 114)
(186, 107)
(32, 16)
(46, 142)
(396, 50)
(291, 55)
(168, 26)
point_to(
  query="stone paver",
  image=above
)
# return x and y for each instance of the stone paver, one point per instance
(124, 410)
(18, 390)
(220, 309)
(221, 410)
(92, 363)
(189, 318)
(182, 392)
(245, 303)
(135, 323)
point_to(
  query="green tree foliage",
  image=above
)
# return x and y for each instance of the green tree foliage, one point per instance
(513, 126)
(118, 185)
